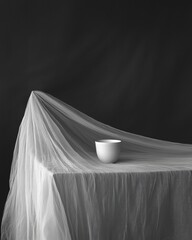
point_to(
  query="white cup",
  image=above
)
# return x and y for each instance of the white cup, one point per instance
(108, 150)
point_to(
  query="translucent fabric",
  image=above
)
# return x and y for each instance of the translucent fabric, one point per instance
(59, 190)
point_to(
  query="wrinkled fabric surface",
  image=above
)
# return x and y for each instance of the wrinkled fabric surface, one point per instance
(131, 206)
(60, 190)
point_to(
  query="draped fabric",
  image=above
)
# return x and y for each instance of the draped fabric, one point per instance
(60, 190)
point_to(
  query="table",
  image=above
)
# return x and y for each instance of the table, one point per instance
(142, 205)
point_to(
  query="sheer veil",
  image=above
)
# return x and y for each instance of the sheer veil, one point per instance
(55, 138)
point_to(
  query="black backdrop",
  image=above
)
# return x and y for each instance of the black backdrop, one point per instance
(127, 65)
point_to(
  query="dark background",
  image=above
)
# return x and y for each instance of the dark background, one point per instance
(127, 65)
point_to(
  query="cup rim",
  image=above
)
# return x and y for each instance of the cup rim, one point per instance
(108, 141)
